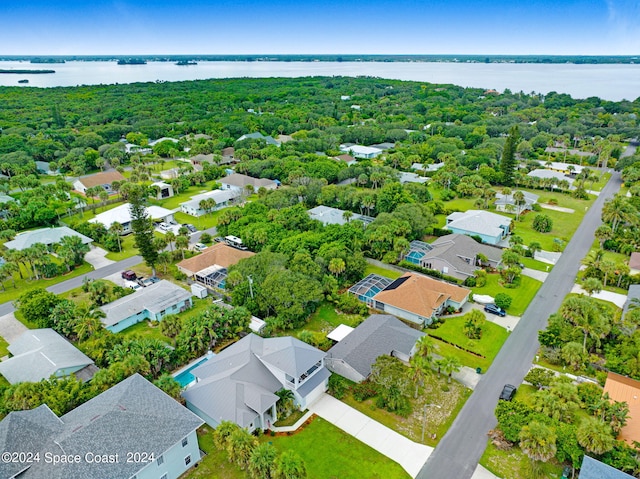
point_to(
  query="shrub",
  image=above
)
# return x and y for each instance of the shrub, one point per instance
(470, 282)
(481, 278)
(338, 386)
(206, 238)
(349, 304)
(539, 377)
(542, 223)
(364, 390)
(503, 300)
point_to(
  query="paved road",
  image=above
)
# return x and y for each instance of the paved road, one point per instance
(461, 448)
(76, 282)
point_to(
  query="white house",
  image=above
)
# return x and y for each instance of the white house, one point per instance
(222, 199)
(165, 190)
(122, 214)
(359, 151)
(240, 182)
(239, 384)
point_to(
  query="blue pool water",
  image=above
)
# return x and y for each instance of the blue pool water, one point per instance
(185, 377)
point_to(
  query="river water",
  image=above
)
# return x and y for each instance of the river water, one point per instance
(608, 81)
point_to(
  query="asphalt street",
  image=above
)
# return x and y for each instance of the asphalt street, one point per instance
(457, 455)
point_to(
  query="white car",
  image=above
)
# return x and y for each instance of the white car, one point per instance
(133, 285)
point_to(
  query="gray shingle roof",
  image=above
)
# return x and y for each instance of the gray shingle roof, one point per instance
(334, 216)
(634, 292)
(594, 469)
(377, 335)
(456, 248)
(154, 298)
(133, 415)
(45, 236)
(40, 353)
(237, 384)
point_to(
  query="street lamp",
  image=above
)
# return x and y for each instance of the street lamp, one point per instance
(424, 416)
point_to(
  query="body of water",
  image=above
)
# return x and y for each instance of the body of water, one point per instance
(608, 81)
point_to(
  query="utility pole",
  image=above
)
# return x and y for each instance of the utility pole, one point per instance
(424, 416)
(250, 285)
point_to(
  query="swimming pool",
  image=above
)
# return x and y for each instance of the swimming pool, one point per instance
(185, 377)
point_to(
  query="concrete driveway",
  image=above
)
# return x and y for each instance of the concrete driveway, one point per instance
(410, 455)
(615, 298)
(96, 258)
(11, 328)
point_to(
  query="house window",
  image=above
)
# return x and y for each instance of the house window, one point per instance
(187, 460)
(160, 460)
(185, 441)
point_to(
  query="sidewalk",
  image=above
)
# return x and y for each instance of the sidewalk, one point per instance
(410, 455)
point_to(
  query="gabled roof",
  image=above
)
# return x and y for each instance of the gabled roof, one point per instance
(238, 384)
(45, 236)
(456, 248)
(134, 415)
(377, 335)
(154, 298)
(419, 294)
(529, 199)
(240, 181)
(549, 174)
(219, 254)
(593, 469)
(334, 216)
(219, 196)
(634, 260)
(633, 293)
(40, 353)
(346, 158)
(104, 178)
(624, 389)
(259, 136)
(479, 222)
(122, 214)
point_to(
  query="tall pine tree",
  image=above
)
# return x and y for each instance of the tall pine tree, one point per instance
(508, 162)
(142, 227)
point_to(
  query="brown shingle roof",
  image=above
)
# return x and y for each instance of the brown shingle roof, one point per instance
(219, 254)
(346, 158)
(104, 178)
(421, 295)
(624, 389)
(634, 261)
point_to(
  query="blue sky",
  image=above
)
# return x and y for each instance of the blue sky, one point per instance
(135, 27)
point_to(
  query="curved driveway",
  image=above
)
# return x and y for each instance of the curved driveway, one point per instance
(458, 453)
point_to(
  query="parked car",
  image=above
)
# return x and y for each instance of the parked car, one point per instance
(154, 279)
(147, 282)
(129, 275)
(493, 309)
(191, 228)
(198, 247)
(508, 391)
(134, 286)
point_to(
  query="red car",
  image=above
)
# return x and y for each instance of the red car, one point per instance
(129, 275)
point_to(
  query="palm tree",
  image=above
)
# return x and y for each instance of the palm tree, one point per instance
(608, 268)
(592, 286)
(240, 445)
(450, 365)
(617, 210)
(595, 436)
(182, 243)
(581, 312)
(285, 402)
(261, 462)
(289, 466)
(537, 441)
(336, 266)
(88, 321)
(170, 237)
(418, 370)
(518, 198)
(222, 433)
(425, 348)
(116, 229)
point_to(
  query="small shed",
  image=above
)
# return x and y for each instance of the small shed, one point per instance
(199, 291)
(339, 333)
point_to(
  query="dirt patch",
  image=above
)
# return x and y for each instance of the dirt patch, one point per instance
(547, 206)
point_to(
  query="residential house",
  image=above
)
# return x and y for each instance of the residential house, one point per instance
(406, 177)
(170, 174)
(132, 430)
(259, 136)
(122, 214)
(455, 255)
(44, 167)
(104, 179)
(153, 143)
(239, 384)
(565, 168)
(491, 227)
(412, 297)
(379, 334)
(221, 198)
(198, 160)
(634, 263)
(240, 182)
(623, 389)
(633, 298)
(151, 303)
(359, 151)
(553, 175)
(593, 469)
(211, 266)
(164, 190)
(335, 216)
(431, 168)
(384, 146)
(38, 354)
(510, 205)
(46, 236)
(347, 159)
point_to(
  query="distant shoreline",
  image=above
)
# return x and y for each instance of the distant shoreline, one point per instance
(551, 59)
(27, 72)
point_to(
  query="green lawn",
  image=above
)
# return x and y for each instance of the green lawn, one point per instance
(513, 464)
(537, 265)
(3, 347)
(325, 320)
(201, 222)
(389, 273)
(493, 337)
(522, 295)
(328, 452)
(215, 465)
(128, 249)
(24, 285)
(144, 330)
(437, 390)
